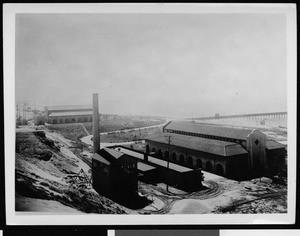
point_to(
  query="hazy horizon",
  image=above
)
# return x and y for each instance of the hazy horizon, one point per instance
(171, 65)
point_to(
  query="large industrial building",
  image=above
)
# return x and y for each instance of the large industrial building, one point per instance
(236, 153)
(68, 114)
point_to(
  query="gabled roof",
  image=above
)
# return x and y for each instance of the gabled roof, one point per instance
(70, 113)
(206, 129)
(113, 152)
(211, 146)
(100, 158)
(109, 155)
(69, 107)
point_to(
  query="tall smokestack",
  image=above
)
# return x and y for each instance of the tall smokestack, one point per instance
(96, 135)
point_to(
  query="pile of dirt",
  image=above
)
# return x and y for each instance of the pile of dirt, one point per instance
(43, 179)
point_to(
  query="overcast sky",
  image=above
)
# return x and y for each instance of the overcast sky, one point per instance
(179, 65)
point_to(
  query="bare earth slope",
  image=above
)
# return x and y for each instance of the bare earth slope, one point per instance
(42, 168)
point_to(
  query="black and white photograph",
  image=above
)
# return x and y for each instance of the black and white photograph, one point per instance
(150, 113)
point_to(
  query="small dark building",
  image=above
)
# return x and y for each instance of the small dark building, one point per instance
(115, 175)
(180, 177)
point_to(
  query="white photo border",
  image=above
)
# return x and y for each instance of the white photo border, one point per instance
(13, 218)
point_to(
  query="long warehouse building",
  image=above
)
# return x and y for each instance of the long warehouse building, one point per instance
(68, 114)
(236, 153)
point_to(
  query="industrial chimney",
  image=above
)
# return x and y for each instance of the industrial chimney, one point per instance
(96, 135)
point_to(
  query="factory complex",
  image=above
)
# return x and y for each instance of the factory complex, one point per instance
(178, 155)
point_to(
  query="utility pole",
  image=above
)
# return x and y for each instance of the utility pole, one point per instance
(25, 110)
(17, 111)
(168, 162)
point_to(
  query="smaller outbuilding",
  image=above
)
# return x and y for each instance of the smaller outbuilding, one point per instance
(115, 174)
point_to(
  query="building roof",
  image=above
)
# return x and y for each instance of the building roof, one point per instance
(271, 144)
(211, 146)
(98, 157)
(206, 129)
(69, 107)
(71, 113)
(144, 167)
(110, 155)
(113, 152)
(156, 161)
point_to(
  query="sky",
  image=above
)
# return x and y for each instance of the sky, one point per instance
(173, 65)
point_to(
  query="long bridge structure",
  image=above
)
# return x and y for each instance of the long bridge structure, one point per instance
(245, 117)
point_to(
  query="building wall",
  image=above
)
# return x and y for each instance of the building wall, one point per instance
(69, 119)
(257, 162)
(276, 161)
(101, 178)
(124, 179)
(256, 146)
(116, 180)
(237, 167)
(190, 158)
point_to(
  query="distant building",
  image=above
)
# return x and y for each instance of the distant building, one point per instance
(68, 114)
(231, 152)
(39, 120)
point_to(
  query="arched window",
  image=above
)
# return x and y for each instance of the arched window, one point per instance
(79, 119)
(174, 157)
(54, 121)
(199, 163)
(219, 169)
(159, 153)
(166, 155)
(153, 150)
(73, 120)
(189, 161)
(67, 120)
(208, 166)
(181, 159)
